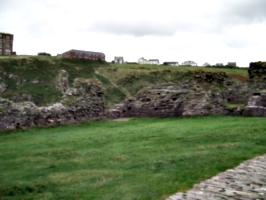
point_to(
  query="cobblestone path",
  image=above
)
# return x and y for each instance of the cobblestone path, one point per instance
(246, 181)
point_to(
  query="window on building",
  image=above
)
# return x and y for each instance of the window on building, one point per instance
(7, 52)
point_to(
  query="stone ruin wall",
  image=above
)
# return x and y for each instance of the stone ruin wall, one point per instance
(83, 101)
(203, 94)
(257, 85)
(257, 74)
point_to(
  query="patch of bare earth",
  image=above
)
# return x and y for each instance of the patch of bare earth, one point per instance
(122, 119)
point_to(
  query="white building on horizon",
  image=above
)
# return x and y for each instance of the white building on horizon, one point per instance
(150, 61)
(119, 59)
(189, 63)
(154, 61)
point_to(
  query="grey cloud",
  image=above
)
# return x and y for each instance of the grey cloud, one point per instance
(252, 10)
(237, 43)
(4, 5)
(142, 28)
(243, 12)
(137, 28)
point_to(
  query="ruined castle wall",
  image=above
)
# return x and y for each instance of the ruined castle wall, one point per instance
(84, 101)
(257, 86)
(257, 73)
(201, 95)
(205, 93)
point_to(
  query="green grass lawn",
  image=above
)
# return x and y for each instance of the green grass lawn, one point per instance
(136, 159)
(241, 71)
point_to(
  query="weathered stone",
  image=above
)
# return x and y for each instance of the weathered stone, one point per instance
(3, 87)
(257, 86)
(61, 81)
(218, 77)
(204, 94)
(257, 72)
(247, 181)
(87, 104)
(13, 76)
(199, 96)
(35, 81)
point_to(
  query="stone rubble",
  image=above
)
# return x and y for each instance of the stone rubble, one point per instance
(85, 103)
(257, 83)
(245, 182)
(202, 95)
(3, 87)
(205, 93)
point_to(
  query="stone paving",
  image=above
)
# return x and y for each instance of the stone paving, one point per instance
(246, 181)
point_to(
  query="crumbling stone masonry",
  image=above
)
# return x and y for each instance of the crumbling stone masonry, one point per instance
(257, 85)
(84, 101)
(247, 181)
(203, 94)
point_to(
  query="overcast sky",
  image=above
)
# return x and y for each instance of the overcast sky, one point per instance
(213, 31)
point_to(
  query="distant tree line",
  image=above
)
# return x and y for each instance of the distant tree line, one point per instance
(223, 66)
(44, 54)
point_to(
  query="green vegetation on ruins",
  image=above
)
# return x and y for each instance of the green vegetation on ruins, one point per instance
(35, 76)
(136, 159)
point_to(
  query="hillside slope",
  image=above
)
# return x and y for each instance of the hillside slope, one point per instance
(34, 78)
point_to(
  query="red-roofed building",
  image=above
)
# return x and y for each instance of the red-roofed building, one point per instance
(83, 54)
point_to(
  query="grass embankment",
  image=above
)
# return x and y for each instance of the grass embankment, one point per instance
(131, 81)
(138, 159)
(241, 71)
(131, 78)
(35, 76)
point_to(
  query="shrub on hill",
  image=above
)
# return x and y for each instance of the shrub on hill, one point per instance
(44, 54)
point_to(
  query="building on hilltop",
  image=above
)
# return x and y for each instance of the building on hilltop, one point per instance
(119, 60)
(154, 61)
(189, 63)
(73, 53)
(231, 64)
(206, 64)
(143, 61)
(150, 61)
(6, 44)
(174, 63)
